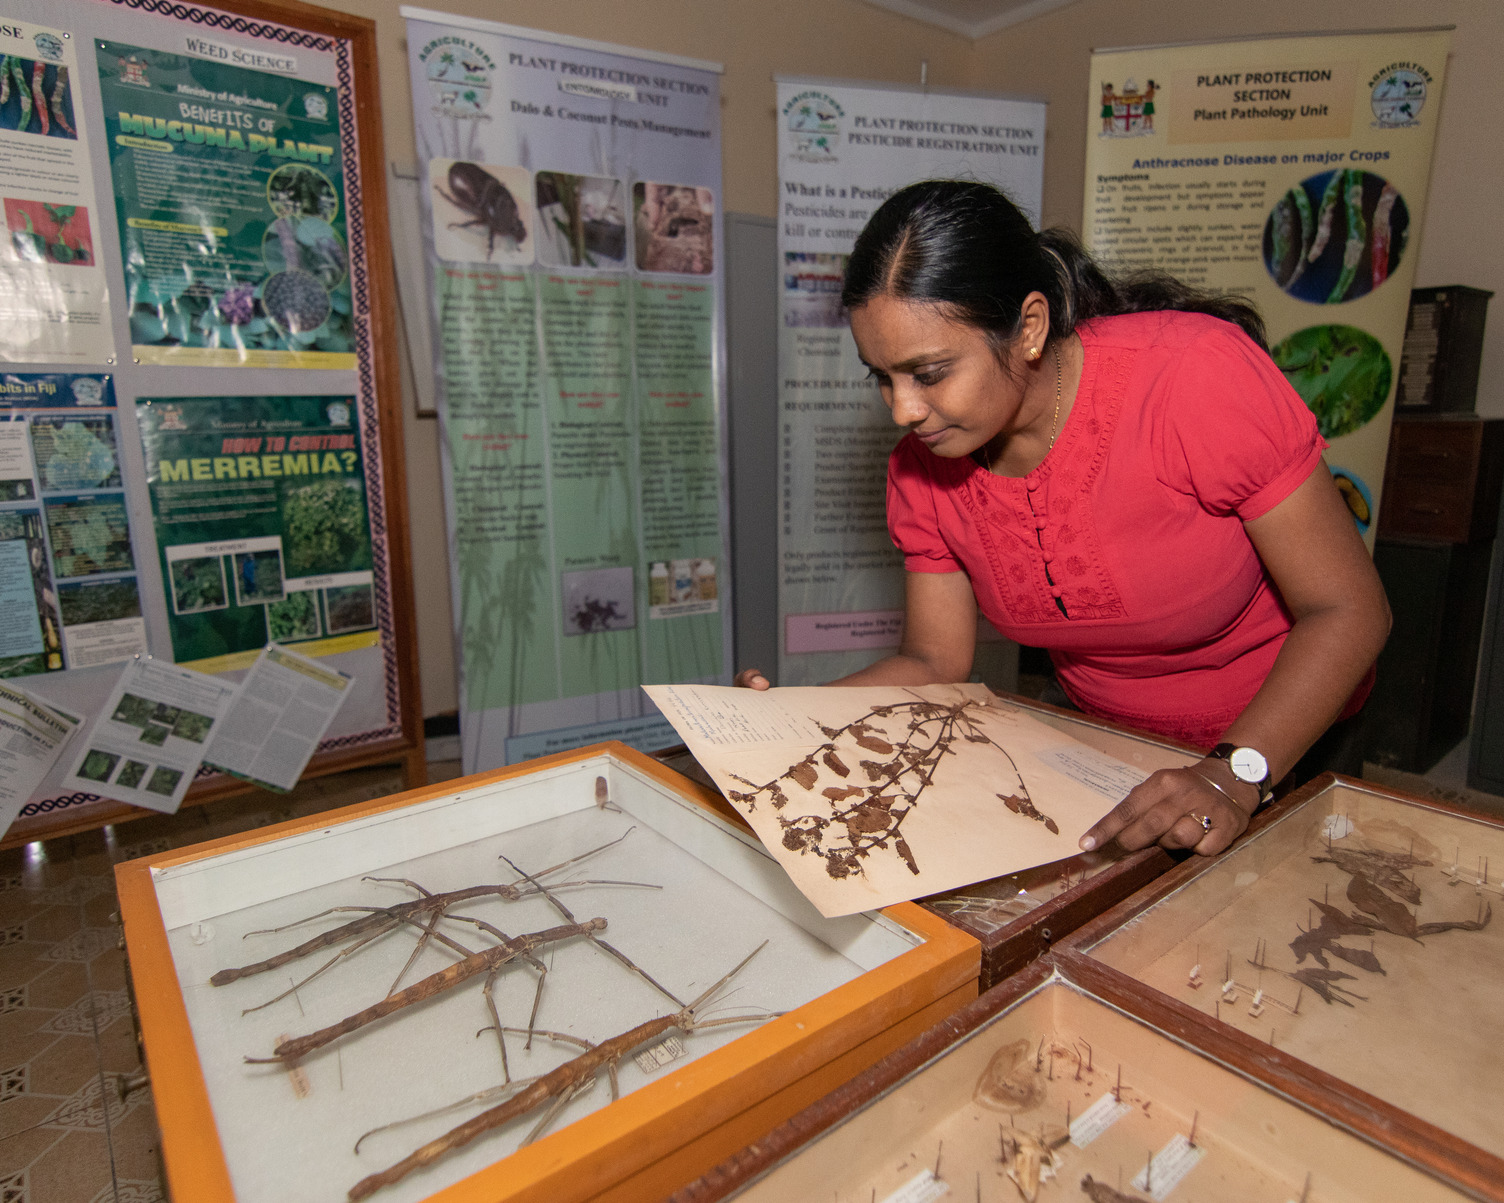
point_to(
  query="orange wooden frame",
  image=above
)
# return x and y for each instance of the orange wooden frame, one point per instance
(644, 1145)
(407, 749)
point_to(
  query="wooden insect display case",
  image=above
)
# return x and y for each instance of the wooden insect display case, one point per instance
(1018, 916)
(1349, 941)
(564, 980)
(1046, 1090)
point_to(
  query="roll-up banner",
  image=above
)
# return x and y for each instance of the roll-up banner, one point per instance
(571, 195)
(843, 148)
(1293, 170)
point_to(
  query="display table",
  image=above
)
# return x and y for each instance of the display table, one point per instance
(1044, 1088)
(686, 896)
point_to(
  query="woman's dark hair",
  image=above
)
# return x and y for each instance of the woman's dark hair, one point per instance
(965, 246)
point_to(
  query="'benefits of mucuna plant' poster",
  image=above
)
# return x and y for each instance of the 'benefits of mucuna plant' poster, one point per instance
(1292, 170)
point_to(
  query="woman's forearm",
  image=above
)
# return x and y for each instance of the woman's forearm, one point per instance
(1323, 660)
(898, 669)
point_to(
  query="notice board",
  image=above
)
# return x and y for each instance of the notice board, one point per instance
(199, 412)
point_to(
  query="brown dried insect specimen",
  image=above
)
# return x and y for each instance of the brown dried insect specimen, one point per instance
(1030, 1159)
(558, 1084)
(1100, 1192)
(868, 818)
(376, 921)
(1009, 1083)
(489, 962)
(1373, 876)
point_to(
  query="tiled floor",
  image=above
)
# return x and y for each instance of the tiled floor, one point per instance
(66, 1039)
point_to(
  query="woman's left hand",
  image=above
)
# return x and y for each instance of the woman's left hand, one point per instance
(1178, 808)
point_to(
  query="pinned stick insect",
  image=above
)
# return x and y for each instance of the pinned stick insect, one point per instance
(425, 913)
(864, 819)
(559, 1085)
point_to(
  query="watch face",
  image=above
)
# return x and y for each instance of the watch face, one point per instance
(1248, 765)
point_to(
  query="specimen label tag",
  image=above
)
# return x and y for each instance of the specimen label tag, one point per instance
(1169, 1166)
(921, 1188)
(653, 1059)
(1099, 772)
(1096, 1119)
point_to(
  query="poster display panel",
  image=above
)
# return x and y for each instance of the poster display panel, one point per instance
(231, 203)
(1294, 171)
(259, 508)
(573, 231)
(67, 566)
(843, 149)
(206, 165)
(54, 295)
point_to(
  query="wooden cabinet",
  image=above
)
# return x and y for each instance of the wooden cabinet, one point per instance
(1443, 479)
(1437, 523)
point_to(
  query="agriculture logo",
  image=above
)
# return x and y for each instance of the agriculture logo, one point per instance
(815, 121)
(1399, 94)
(459, 72)
(1129, 113)
(49, 46)
(316, 106)
(338, 413)
(133, 71)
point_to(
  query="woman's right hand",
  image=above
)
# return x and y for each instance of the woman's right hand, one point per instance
(751, 678)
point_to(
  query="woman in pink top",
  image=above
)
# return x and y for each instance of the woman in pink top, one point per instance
(1115, 471)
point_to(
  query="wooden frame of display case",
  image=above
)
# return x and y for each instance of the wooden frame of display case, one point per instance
(665, 1132)
(1472, 1169)
(785, 1142)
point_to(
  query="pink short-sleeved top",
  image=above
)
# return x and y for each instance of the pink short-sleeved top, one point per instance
(1124, 552)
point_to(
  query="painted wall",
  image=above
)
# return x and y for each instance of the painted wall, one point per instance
(754, 39)
(1461, 242)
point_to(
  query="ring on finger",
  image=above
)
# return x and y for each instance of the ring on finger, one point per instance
(1206, 823)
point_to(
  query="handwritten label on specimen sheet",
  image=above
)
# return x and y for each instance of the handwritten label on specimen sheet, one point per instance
(1096, 770)
(900, 793)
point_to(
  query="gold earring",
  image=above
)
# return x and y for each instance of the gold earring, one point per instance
(1033, 353)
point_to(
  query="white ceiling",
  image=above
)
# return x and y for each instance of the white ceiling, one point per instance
(971, 18)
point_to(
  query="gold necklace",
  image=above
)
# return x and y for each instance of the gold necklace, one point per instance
(1054, 421)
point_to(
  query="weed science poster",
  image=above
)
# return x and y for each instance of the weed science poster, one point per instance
(1294, 171)
(259, 507)
(230, 197)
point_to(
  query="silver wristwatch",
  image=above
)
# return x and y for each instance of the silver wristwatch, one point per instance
(1247, 764)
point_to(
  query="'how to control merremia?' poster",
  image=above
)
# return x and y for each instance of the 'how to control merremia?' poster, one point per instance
(574, 240)
(259, 506)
